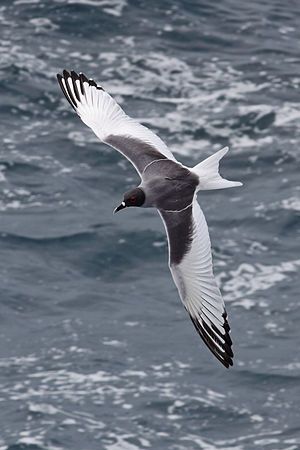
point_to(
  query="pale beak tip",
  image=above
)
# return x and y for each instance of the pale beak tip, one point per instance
(118, 208)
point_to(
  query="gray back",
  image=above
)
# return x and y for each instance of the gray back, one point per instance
(168, 185)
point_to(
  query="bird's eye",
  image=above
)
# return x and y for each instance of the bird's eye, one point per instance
(132, 199)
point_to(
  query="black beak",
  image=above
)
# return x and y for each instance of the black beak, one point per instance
(118, 208)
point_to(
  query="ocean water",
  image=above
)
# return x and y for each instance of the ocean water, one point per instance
(96, 349)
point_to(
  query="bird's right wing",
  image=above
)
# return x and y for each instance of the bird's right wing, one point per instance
(190, 263)
(99, 111)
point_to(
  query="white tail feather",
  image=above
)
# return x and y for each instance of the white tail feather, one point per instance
(208, 173)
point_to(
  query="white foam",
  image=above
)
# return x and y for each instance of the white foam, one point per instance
(113, 7)
(122, 443)
(131, 324)
(260, 110)
(26, 2)
(203, 444)
(30, 441)
(266, 441)
(256, 247)
(159, 244)
(127, 406)
(242, 142)
(82, 56)
(292, 203)
(18, 361)
(81, 138)
(42, 408)
(134, 373)
(245, 303)
(214, 395)
(43, 24)
(293, 366)
(248, 279)
(286, 114)
(113, 343)
(256, 418)
(2, 176)
(273, 328)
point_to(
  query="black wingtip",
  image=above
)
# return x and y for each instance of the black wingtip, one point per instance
(74, 74)
(92, 83)
(83, 78)
(213, 343)
(75, 77)
(71, 91)
(66, 73)
(67, 76)
(65, 92)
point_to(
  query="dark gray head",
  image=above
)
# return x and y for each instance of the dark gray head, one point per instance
(135, 197)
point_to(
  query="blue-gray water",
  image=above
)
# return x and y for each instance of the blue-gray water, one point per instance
(96, 350)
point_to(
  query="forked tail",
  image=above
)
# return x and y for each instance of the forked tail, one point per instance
(208, 173)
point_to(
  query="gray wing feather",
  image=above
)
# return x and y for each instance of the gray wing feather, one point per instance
(140, 153)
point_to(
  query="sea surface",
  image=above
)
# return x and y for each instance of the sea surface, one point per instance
(96, 349)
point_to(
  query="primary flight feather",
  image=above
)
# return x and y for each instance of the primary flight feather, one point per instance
(172, 188)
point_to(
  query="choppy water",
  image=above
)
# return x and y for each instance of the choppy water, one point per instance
(96, 349)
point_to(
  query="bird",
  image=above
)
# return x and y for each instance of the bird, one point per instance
(172, 189)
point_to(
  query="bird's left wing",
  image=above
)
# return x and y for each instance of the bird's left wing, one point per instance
(190, 262)
(99, 111)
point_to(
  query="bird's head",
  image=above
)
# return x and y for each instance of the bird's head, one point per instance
(135, 197)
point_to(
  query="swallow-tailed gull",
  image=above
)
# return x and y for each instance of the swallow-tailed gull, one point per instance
(171, 188)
